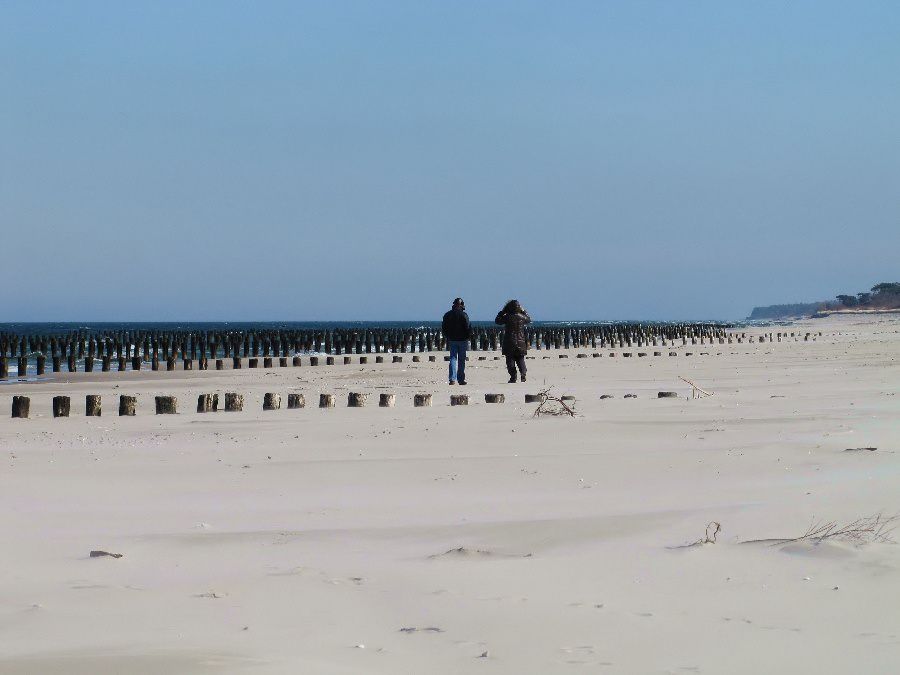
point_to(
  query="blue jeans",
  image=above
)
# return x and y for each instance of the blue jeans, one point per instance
(458, 359)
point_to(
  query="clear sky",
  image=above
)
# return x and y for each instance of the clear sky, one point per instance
(216, 160)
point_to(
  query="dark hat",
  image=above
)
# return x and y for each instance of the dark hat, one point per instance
(459, 302)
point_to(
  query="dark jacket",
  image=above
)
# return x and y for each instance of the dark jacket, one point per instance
(515, 343)
(456, 325)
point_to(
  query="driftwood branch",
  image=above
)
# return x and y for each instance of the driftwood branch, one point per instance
(552, 405)
(695, 388)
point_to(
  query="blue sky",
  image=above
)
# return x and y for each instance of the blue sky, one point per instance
(372, 160)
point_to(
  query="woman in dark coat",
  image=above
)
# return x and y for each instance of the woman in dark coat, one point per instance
(514, 318)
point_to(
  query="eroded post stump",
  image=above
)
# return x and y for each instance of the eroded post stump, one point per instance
(166, 405)
(61, 406)
(326, 400)
(204, 403)
(21, 405)
(459, 399)
(296, 401)
(422, 400)
(272, 401)
(92, 405)
(387, 400)
(494, 398)
(234, 402)
(356, 399)
(127, 405)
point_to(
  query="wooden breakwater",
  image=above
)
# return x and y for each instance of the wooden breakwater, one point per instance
(105, 350)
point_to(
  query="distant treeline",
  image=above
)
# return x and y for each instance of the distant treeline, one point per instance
(789, 311)
(882, 296)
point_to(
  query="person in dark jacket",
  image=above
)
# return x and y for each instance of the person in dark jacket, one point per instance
(514, 318)
(457, 330)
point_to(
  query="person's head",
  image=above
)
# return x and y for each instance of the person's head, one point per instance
(459, 303)
(512, 306)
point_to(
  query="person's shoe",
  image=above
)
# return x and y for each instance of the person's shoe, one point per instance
(462, 381)
(453, 382)
(523, 377)
(512, 380)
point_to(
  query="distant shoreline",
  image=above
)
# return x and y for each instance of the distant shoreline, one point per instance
(854, 312)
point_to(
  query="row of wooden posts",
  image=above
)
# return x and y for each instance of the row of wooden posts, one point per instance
(122, 362)
(183, 345)
(168, 405)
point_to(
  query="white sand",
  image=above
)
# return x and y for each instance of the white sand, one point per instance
(415, 540)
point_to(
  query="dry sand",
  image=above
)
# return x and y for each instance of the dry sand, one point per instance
(472, 539)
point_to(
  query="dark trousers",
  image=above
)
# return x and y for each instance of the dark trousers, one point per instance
(513, 360)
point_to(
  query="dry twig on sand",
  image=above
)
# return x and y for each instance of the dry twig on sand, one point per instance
(552, 405)
(876, 528)
(712, 529)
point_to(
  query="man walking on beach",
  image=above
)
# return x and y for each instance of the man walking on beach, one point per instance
(457, 330)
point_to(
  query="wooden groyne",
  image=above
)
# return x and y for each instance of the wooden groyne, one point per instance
(101, 350)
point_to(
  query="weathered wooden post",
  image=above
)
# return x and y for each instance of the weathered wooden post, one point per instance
(313, 360)
(220, 364)
(23, 366)
(422, 400)
(166, 405)
(296, 361)
(272, 401)
(234, 402)
(21, 406)
(494, 398)
(253, 363)
(4, 367)
(267, 362)
(41, 364)
(236, 363)
(282, 362)
(535, 398)
(187, 364)
(348, 360)
(127, 405)
(387, 400)
(106, 363)
(363, 360)
(397, 359)
(356, 399)
(204, 403)
(296, 401)
(459, 399)
(92, 405)
(61, 406)
(326, 400)
(136, 363)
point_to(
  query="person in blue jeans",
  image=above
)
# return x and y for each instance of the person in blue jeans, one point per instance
(457, 330)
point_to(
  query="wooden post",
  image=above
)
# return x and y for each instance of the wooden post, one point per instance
(329, 360)
(535, 398)
(267, 362)
(166, 405)
(494, 398)
(61, 406)
(356, 399)
(297, 361)
(296, 401)
(459, 399)
(204, 403)
(348, 360)
(236, 364)
(135, 363)
(282, 362)
(422, 400)
(387, 400)
(272, 401)
(313, 360)
(397, 359)
(127, 405)
(187, 364)
(106, 363)
(4, 367)
(21, 406)
(220, 364)
(23, 366)
(363, 360)
(234, 402)
(92, 405)
(326, 400)
(41, 364)
(253, 363)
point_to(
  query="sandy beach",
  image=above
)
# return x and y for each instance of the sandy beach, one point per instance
(466, 539)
